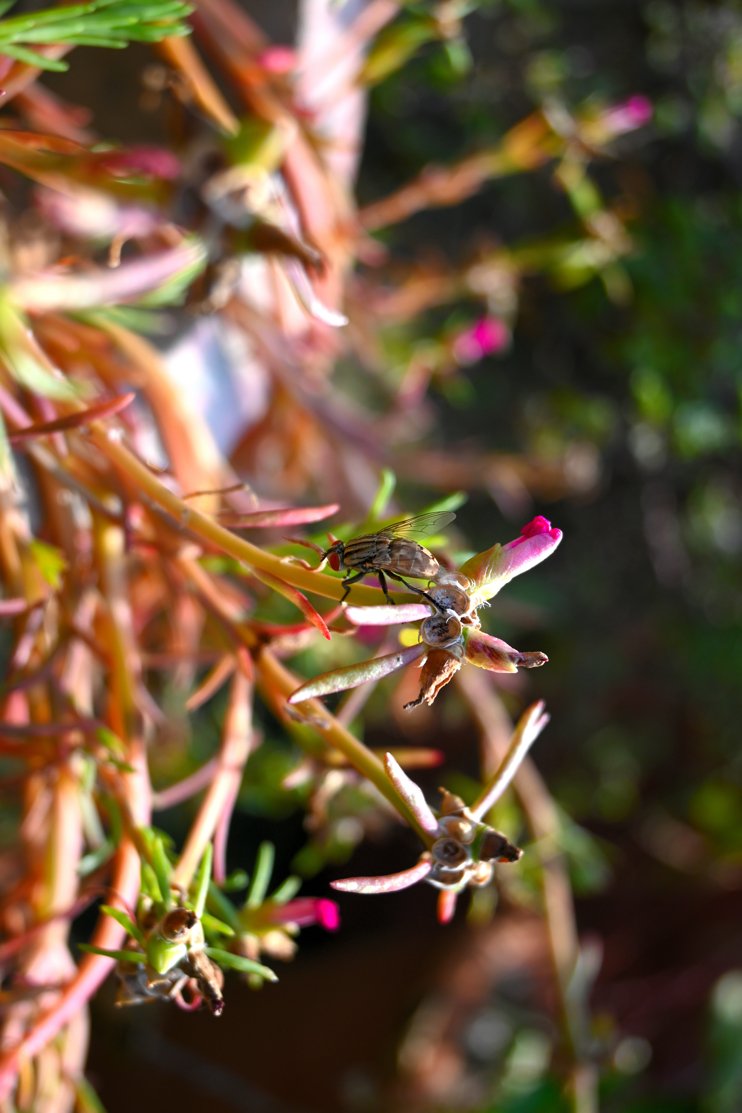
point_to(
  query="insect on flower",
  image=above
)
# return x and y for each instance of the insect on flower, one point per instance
(391, 552)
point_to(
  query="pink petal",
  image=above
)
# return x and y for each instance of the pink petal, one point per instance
(286, 516)
(49, 292)
(529, 726)
(411, 793)
(387, 615)
(485, 336)
(446, 905)
(495, 567)
(630, 114)
(155, 162)
(306, 911)
(278, 59)
(386, 883)
(339, 680)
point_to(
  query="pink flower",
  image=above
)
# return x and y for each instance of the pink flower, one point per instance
(485, 336)
(628, 115)
(278, 59)
(307, 911)
(495, 567)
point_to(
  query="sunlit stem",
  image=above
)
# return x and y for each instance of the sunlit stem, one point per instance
(329, 730)
(210, 532)
(531, 723)
(221, 794)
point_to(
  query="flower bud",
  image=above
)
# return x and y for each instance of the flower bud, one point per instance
(495, 847)
(448, 853)
(441, 630)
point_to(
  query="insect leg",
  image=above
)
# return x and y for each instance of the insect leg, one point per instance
(351, 578)
(417, 590)
(384, 588)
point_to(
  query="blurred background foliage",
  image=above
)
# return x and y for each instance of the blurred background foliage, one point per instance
(609, 401)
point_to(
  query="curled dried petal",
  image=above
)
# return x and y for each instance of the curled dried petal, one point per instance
(494, 846)
(441, 665)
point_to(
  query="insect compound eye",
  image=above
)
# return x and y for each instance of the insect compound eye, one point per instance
(333, 559)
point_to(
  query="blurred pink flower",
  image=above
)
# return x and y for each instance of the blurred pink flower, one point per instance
(495, 567)
(154, 162)
(307, 911)
(628, 115)
(482, 338)
(278, 59)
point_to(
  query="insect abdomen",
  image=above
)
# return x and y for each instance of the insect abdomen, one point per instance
(410, 559)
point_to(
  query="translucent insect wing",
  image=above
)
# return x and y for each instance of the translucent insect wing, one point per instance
(420, 525)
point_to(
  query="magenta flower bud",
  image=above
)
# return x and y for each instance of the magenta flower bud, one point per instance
(495, 567)
(306, 911)
(630, 114)
(485, 336)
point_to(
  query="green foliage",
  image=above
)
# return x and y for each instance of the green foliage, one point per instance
(101, 23)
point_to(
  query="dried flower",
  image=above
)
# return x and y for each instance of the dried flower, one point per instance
(461, 850)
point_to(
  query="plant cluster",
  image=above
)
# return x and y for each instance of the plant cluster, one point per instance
(134, 607)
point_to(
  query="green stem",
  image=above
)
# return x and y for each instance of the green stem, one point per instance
(212, 533)
(272, 674)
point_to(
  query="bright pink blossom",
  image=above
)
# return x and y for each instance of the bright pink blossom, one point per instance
(306, 911)
(485, 336)
(495, 567)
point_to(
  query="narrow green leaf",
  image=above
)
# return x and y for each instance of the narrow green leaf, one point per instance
(239, 962)
(216, 927)
(225, 909)
(50, 562)
(110, 740)
(287, 890)
(87, 1101)
(89, 863)
(120, 956)
(264, 861)
(350, 676)
(31, 58)
(125, 921)
(159, 862)
(201, 880)
(387, 484)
